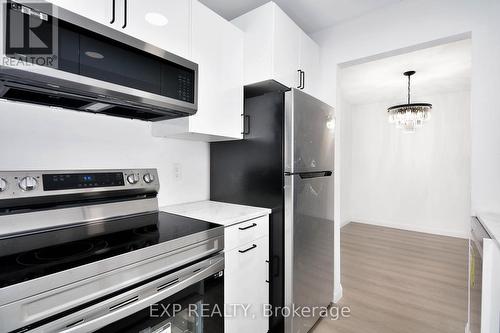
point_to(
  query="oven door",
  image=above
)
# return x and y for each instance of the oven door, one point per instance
(190, 300)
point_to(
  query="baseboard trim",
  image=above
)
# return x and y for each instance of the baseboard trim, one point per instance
(427, 230)
(467, 328)
(337, 294)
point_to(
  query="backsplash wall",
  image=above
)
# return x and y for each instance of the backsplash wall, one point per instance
(38, 137)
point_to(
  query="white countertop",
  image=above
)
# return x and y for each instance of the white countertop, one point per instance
(491, 221)
(217, 212)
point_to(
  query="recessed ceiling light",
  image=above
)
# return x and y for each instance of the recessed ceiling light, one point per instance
(95, 55)
(156, 19)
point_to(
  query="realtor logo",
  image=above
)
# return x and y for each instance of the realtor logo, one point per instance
(31, 34)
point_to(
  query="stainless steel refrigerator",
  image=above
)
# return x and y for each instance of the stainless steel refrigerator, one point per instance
(286, 163)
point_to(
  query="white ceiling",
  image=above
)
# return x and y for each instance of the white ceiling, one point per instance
(310, 15)
(440, 69)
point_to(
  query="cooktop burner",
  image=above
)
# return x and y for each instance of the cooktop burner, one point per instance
(26, 257)
(69, 251)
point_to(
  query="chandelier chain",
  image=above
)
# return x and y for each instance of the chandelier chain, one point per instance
(409, 88)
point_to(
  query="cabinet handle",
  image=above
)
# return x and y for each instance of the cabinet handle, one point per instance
(300, 78)
(267, 271)
(125, 8)
(246, 124)
(249, 227)
(249, 249)
(113, 13)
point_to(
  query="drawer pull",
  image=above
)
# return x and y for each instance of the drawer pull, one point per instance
(249, 227)
(249, 249)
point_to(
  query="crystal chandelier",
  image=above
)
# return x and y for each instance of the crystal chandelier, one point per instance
(411, 116)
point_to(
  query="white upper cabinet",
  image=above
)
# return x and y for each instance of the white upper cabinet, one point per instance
(164, 23)
(97, 10)
(217, 48)
(193, 31)
(277, 49)
(286, 50)
(309, 63)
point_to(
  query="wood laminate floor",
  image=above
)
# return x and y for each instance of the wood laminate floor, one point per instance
(397, 281)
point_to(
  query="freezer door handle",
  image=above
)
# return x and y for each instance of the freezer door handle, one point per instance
(307, 175)
(316, 174)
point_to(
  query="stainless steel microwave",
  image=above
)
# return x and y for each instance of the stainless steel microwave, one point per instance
(51, 56)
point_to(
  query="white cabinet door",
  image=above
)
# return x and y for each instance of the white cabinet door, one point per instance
(309, 63)
(218, 51)
(164, 23)
(245, 282)
(490, 307)
(286, 49)
(257, 26)
(98, 10)
(276, 48)
(217, 48)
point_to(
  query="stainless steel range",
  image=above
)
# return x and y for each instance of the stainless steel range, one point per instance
(88, 250)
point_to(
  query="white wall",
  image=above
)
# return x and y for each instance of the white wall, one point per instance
(37, 137)
(413, 24)
(416, 181)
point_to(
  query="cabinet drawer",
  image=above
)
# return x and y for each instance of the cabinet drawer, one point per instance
(245, 232)
(245, 282)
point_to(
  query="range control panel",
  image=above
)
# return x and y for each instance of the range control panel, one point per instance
(39, 183)
(54, 182)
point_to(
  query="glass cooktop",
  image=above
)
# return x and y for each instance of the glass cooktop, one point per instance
(27, 257)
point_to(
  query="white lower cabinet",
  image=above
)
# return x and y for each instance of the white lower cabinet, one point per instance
(490, 307)
(246, 286)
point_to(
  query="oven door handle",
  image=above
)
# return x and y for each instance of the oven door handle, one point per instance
(122, 306)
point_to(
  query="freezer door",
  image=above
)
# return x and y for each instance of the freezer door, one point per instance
(308, 246)
(309, 133)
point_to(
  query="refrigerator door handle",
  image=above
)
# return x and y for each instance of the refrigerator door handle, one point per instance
(313, 174)
(316, 174)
